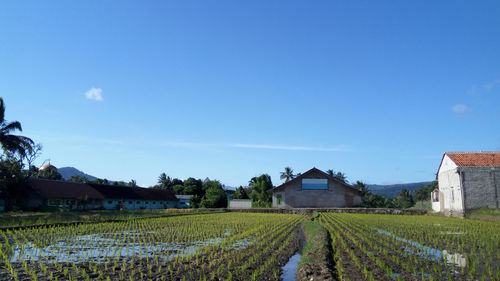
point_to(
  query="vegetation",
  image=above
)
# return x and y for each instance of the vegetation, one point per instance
(387, 247)
(10, 143)
(424, 193)
(259, 187)
(225, 246)
(315, 263)
(287, 174)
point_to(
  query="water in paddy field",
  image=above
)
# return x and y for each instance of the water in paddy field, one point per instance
(290, 268)
(428, 252)
(98, 248)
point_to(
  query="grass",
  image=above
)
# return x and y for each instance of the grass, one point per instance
(423, 205)
(24, 219)
(485, 214)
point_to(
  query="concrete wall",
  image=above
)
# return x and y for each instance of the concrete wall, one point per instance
(481, 187)
(385, 211)
(337, 195)
(240, 204)
(450, 189)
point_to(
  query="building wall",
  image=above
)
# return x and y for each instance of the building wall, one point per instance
(240, 204)
(337, 195)
(481, 187)
(450, 191)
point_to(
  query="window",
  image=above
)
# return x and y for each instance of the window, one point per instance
(130, 202)
(435, 196)
(147, 202)
(278, 199)
(110, 202)
(138, 202)
(315, 184)
(154, 202)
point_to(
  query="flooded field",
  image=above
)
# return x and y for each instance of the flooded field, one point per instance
(252, 246)
(387, 247)
(198, 247)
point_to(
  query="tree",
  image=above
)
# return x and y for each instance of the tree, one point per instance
(193, 186)
(259, 187)
(50, 173)
(11, 177)
(240, 193)
(78, 178)
(424, 193)
(404, 199)
(164, 181)
(101, 181)
(178, 189)
(13, 143)
(287, 174)
(338, 175)
(132, 183)
(30, 156)
(214, 198)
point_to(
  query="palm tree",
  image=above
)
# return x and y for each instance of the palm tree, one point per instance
(287, 174)
(12, 143)
(330, 172)
(338, 175)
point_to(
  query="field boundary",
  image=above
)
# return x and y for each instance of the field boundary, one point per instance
(22, 227)
(386, 211)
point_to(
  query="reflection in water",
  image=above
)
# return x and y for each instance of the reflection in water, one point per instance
(290, 268)
(428, 252)
(97, 248)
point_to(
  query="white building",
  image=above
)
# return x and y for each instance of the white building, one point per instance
(467, 181)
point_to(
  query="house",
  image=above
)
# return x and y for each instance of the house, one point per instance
(49, 194)
(135, 198)
(467, 181)
(184, 201)
(315, 189)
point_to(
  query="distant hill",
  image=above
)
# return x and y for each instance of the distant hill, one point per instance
(392, 190)
(67, 172)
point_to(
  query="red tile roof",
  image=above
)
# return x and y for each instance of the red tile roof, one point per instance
(471, 159)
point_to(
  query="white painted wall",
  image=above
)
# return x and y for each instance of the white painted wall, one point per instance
(240, 204)
(449, 186)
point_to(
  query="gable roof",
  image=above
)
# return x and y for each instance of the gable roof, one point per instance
(51, 189)
(475, 159)
(306, 174)
(63, 190)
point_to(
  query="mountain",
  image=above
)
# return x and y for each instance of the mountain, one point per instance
(67, 172)
(392, 190)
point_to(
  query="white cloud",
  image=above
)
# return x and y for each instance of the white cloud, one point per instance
(460, 108)
(287, 147)
(94, 94)
(489, 86)
(254, 146)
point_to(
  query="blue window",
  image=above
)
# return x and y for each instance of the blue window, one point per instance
(315, 184)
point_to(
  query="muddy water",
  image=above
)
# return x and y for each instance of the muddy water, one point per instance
(429, 253)
(97, 248)
(290, 268)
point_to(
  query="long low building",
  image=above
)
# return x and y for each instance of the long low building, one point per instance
(46, 194)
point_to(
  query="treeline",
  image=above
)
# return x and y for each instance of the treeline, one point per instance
(405, 198)
(211, 193)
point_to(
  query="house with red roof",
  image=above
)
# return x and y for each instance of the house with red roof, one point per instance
(467, 181)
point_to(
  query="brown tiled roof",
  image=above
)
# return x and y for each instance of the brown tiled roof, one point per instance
(63, 189)
(473, 159)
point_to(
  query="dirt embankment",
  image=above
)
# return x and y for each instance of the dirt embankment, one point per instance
(316, 263)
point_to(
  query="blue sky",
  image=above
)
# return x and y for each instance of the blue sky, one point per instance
(231, 89)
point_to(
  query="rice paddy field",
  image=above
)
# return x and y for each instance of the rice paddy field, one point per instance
(253, 246)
